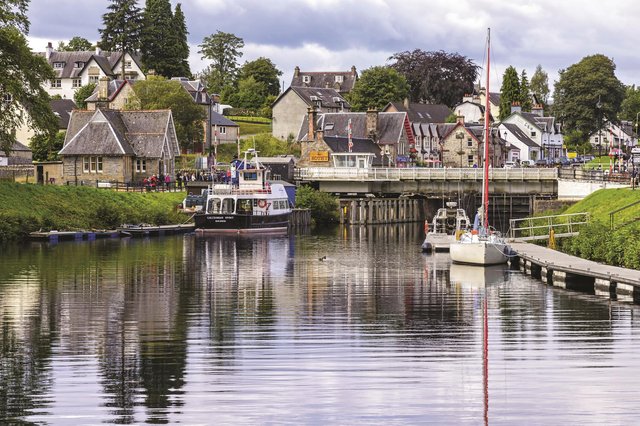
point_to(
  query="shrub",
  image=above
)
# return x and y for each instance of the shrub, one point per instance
(324, 206)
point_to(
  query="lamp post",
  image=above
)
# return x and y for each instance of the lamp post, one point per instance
(599, 107)
(506, 146)
(460, 137)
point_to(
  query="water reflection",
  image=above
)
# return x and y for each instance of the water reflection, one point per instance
(348, 325)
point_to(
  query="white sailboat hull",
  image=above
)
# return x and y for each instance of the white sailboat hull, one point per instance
(481, 252)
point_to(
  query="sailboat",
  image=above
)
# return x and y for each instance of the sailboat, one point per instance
(483, 245)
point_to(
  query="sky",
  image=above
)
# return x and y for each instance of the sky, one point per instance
(332, 35)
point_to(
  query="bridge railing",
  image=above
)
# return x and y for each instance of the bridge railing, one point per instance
(539, 227)
(420, 173)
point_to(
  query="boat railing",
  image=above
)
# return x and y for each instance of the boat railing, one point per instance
(230, 189)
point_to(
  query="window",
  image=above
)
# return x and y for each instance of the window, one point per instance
(306, 79)
(141, 166)
(7, 98)
(56, 83)
(58, 65)
(76, 83)
(469, 142)
(533, 134)
(223, 130)
(127, 64)
(92, 164)
(94, 78)
(79, 64)
(470, 159)
(339, 79)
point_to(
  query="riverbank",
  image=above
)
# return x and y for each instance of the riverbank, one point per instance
(27, 207)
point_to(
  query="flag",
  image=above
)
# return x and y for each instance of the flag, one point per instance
(349, 135)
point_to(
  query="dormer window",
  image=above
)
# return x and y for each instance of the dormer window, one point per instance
(79, 64)
(58, 65)
(339, 79)
(306, 79)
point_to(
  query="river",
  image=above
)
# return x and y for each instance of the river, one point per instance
(346, 326)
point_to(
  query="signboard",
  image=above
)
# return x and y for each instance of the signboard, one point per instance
(319, 156)
(572, 154)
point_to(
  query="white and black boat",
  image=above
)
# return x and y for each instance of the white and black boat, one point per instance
(446, 227)
(248, 203)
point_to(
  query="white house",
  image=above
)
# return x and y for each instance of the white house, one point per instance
(543, 131)
(612, 135)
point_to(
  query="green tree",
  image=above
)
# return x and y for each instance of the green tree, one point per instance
(509, 92)
(161, 47)
(223, 49)
(122, 28)
(250, 94)
(579, 90)
(76, 44)
(80, 96)
(525, 93)
(630, 105)
(540, 85)
(376, 87)
(182, 47)
(159, 93)
(22, 75)
(263, 71)
(324, 206)
(436, 77)
(45, 147)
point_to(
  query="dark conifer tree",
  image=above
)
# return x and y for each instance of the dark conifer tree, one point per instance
(122, 28)
(182, 51)
(509, 92)
(160, 46)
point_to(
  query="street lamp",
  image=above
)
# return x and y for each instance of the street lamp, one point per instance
(599, 107)
(460, 137)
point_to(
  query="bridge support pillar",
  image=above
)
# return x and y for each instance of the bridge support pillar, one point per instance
(627, 292)
(604, 287)
(546, 275)
(560, 279)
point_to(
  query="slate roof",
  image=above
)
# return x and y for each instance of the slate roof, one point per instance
(326, 79)
(116, 133)
(17, 146)
(520, 135)
(195, 88)
(62, 109)
(329, 98)
(494, 98)
(389, 129)
(360, 146)
(278, 160)
(105, 60)
(220, 120)
(424, 113)
(113, 88)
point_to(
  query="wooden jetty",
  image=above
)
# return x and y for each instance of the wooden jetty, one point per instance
(570, 272)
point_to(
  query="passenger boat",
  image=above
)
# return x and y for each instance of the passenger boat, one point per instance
(247, 204)
(446, 226)
(483, 245)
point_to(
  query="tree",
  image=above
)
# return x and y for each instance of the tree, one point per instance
(376, 87)
(122, 28)
(509, 91)
(250, 94)
(264, 72)
(162, 48)
(182, 47)
(83, 93)
(525, 93)
(540, 85)
(630, 105)
(581, 87)
(223, 49)
(45, 147)
(436, 77)
(159, 93)
(76, 44)
(22, 75)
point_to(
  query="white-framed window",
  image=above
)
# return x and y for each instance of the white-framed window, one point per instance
(127, 64)
(469, 142)
(141, 166)
(470, 160)
(94, 78)
(306, 79)
(58, 65)
(222, 130)
(533, 134)
(92, 164)
(339, 78)
(76, 82)
(56, 83)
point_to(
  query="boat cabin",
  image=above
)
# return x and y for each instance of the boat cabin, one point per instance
(358, 160)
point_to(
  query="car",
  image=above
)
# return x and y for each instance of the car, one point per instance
(543, 162)
(526, 163)
(509, 165)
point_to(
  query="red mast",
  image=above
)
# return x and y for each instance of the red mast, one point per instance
(485, 180)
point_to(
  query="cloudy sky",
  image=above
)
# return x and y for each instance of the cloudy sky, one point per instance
(333, 35)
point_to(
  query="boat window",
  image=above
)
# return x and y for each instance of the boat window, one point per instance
(214, 205)
(245, 206)
(228, 205)
(250, 176)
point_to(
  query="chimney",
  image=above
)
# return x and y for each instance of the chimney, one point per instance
(515, 107)
(538, 110)
(327, 85)
(312, 115)
(468, 97)
(406, 103)
(103, 88)
(296, 71)
(372, 123)
(48, 51)
(460, 119)
(98, 50)
(353, 70)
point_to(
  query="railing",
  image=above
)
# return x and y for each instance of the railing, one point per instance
(613, 213)
(540, 227)
(420, 173)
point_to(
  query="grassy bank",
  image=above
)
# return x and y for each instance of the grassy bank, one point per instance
(27, 207)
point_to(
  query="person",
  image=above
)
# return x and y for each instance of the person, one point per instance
(167, 181)
(179, 180)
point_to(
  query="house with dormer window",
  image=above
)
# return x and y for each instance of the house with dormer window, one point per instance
(341, 81)
(543, 132)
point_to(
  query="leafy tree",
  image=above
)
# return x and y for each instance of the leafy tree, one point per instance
(540, 85)
(159, 93)
(525, 93)
(630, 105)
(324, 206)
(263, 71)
(45, 147)
(76, 44)
(376, 87)
(436, 77)
(161, 44)
(579, 90)
(182, 47)
(22, 75)
(250, 94)
(83, 93)
(223, 49)
(509, 92)
(122, 28)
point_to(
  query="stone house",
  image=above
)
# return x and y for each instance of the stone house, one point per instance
(76, 69)
(20, 155)
(341, 81)
(463, 145)
(122, 146)
(427, 137)
(291, 107)
(383, 139)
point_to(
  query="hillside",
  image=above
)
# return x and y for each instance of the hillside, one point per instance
(28, 207)
(604, 201)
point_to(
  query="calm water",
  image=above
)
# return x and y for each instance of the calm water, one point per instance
(203, 331)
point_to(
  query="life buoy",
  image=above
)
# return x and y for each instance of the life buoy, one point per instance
(262, 203)
(426, 226)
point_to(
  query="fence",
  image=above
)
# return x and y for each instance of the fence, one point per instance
(17, 173)
(129, 187)
(540, 227)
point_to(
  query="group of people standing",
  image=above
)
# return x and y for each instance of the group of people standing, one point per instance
(157, 182)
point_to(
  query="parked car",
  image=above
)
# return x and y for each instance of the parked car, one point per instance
(543, 162)
(509, 165)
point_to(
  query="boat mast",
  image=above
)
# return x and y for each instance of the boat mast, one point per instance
(485, 177)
